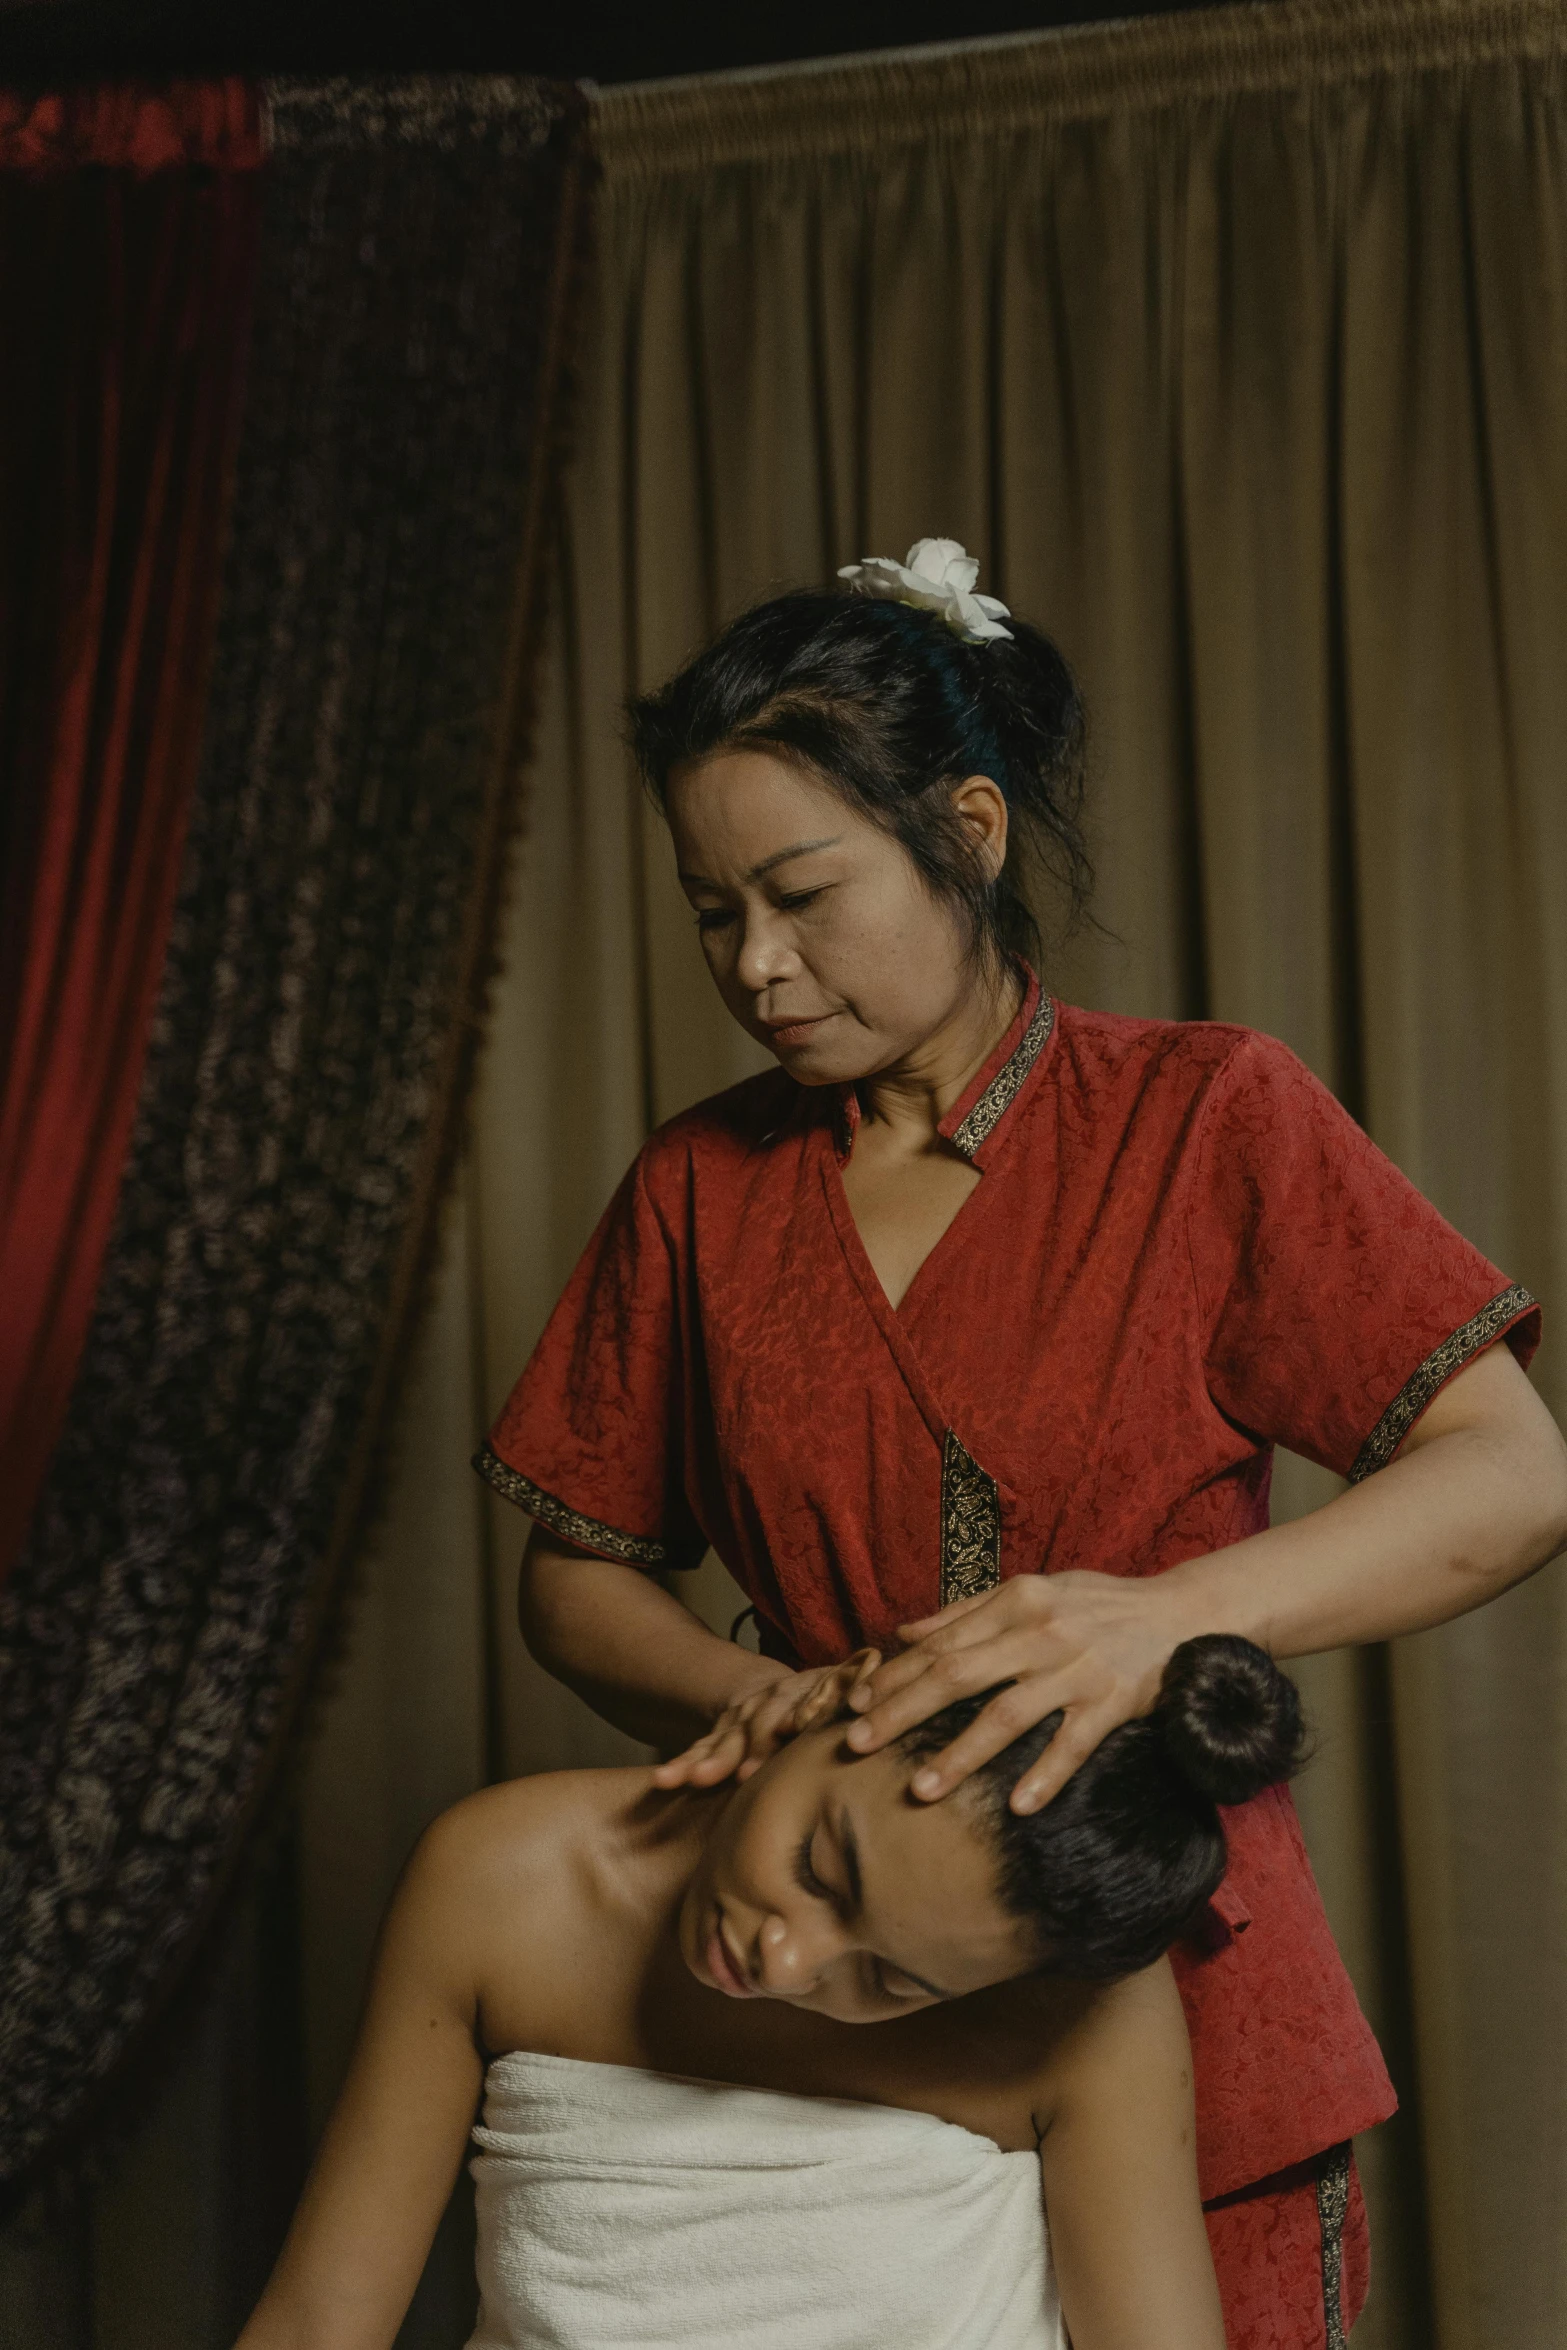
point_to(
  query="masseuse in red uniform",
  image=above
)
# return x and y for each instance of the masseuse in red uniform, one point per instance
(968, 1334)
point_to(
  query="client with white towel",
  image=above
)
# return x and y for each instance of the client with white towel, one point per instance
(620, 2206)
(687, 2144)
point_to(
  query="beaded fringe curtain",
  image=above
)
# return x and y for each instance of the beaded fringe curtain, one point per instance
(309, 1049)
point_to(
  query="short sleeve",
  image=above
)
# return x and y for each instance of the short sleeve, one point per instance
(1333, 1299)
(590, 1440)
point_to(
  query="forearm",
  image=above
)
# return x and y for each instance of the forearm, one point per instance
(1476, 1501)
(1439, 1531)
(630, 1650)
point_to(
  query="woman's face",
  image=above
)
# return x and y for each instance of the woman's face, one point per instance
(824, 1883)
(826, 944)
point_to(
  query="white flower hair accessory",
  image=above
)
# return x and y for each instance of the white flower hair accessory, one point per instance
(937, 577)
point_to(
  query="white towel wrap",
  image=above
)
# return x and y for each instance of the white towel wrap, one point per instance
(630, 2210)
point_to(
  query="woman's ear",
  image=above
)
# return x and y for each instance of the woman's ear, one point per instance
(831, 1693)
(980, 806)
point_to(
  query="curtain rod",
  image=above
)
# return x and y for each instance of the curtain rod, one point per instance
(851, 60)
(880, 99)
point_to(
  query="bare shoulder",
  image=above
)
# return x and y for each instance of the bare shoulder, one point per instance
(1012, 2059)
(504, 1893)
(511, 1816)
(515, 1835)
(1114, 2040)
(993, 2061)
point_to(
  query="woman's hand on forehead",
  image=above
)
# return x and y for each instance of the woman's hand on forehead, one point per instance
(748, 1732)
(1091, 1647)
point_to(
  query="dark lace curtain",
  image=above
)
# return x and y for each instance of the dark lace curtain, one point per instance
(305, 1066)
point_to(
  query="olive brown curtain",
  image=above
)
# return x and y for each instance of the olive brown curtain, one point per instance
(1234, 345)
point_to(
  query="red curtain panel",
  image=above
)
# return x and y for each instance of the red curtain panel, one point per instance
(128, 232)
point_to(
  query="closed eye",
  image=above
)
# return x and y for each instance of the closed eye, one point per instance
(887, 1982)
(893, 1984)
(711, 918)
(805, 1876)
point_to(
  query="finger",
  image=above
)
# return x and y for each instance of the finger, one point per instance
(723, 1757)
(762, 1740)
(1006, 1717)
(677, 1769)
(761, 1737)
(892, 1708)
(857, 1674)
(894, 1675)
(817, 1703)
(902, 1671)
(716, 1768)
(836, 1687)
(1068, 1750)
(779, 1716)
(960, 1673)
(953, 1613)
(948, 1639)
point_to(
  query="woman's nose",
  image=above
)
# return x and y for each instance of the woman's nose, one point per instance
(766, 954)
(791, 1958)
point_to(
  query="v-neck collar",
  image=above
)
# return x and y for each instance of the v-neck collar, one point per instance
(880, 1306)
(981, 1113)
(980, 1118)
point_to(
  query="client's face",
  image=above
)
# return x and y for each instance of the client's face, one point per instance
(825, 1884)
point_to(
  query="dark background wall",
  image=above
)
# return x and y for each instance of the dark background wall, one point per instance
(600, 40)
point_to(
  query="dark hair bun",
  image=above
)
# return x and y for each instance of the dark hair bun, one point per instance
(1231, 1721)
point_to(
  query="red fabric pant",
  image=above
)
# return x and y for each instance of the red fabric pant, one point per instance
(1293, 2254)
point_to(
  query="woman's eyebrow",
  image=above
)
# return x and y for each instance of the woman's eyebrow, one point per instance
(848, 1845)
(801, 848)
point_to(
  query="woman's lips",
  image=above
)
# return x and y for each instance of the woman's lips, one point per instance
(725, 1973)
(796, 1031)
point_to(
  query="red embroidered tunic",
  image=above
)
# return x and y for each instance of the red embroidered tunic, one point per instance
(1183, 1251)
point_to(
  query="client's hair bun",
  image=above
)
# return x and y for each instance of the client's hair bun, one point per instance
(1231, 1721)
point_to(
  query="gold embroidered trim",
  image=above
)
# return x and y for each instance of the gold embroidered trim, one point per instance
(1438, 1367)
(970, 1525)
(1004, 1087)
(1332, 2210)
(590, 1533)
